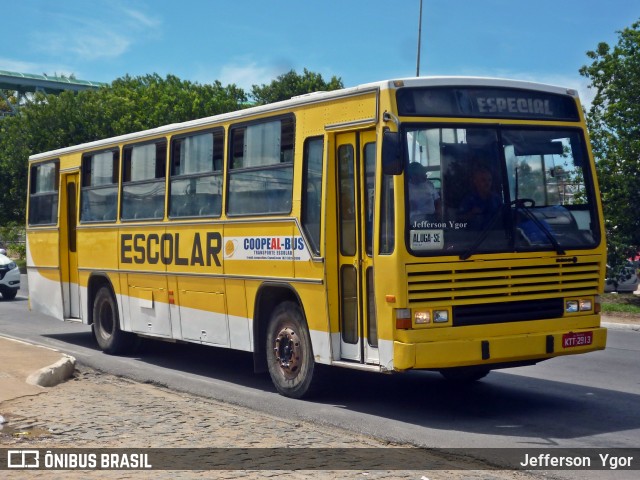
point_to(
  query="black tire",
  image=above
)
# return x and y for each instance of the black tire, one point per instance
(9, 293)
(106, 325)
(463, 375)
(289, 352)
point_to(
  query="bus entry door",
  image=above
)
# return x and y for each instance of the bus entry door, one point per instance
(355, 167)
(69, 258)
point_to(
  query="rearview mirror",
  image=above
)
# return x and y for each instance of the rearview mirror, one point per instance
(391, 153)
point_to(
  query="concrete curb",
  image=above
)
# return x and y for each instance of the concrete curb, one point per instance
(621, 326)
(53, 374)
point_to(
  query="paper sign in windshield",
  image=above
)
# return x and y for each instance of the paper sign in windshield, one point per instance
(427, 240)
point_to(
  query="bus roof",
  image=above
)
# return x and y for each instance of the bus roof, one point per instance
(316, 97)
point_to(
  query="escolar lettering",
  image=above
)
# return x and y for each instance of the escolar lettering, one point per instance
(152, 248)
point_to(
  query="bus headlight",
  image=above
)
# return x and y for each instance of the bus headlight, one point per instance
(422, 317)
(572, 306)
(425, 317)
(579, 305)
(440, 316)
(586, 305)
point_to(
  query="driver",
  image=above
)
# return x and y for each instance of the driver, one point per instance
(482, 203)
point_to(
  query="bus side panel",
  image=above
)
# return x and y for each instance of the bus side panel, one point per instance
(97, 252)
(85, 305)
(314, 304)
(43, 273)
(279, 256)
(122, 296)
(83, 278)
(388, 283)
(240, 328)
(144, 252)
(202, 310)
(197, 297)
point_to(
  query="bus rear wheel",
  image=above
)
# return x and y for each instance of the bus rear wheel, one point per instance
(106, 324)
(289, 352)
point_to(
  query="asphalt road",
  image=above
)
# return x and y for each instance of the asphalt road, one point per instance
(588, 400)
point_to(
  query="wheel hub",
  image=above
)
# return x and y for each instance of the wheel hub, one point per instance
(287, 350)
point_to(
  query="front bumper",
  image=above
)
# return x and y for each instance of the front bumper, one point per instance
(491, 350)
(10, 279)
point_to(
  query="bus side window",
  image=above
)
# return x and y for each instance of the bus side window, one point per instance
(99, 192)
(43, 193)
(143, 180)
(312, 191)
(387, 215)
(370, 193)
(261, 167)
(196, 175)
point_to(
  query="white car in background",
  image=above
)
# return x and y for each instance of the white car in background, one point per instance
(9, 278)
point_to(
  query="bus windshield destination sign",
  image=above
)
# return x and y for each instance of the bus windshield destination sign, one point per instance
(486, 102)
(514, 105)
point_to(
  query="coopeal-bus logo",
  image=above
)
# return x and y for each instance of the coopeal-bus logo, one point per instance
(283, 248)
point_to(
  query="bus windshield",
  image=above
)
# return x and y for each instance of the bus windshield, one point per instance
(497, 189)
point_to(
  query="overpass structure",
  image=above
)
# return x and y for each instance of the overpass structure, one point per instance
(23, 83)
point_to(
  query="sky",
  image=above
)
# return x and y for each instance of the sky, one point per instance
(251, 42)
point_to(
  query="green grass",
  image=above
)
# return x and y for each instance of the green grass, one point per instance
(22, 264)
(620, 303)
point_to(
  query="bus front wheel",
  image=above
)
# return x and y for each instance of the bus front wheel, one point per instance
(289, 352)
(106, 324)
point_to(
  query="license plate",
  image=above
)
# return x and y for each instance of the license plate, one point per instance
(577, 339)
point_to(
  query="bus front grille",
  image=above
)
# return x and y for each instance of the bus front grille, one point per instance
(507, 290)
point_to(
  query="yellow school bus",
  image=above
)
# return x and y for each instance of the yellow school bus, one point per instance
(447, 224)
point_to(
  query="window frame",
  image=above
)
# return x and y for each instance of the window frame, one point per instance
(217, 132)
(282, 165)
(55, 193)
(312, 237)
(85, 173)
(126, 169)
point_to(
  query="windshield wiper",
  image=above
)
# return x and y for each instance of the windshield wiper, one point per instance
(483, 235)
(520, 204)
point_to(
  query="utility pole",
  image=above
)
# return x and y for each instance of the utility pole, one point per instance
(419, 40)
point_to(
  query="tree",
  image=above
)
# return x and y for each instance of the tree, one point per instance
(614, 124)
(8, 99)
(129, 104)
(291, 84)
(48, 122)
